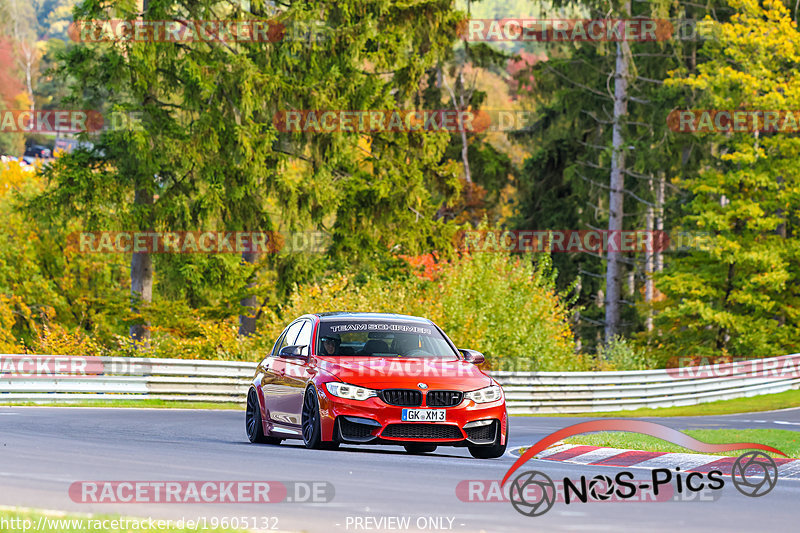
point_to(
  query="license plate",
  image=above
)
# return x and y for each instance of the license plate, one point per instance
(424, 415)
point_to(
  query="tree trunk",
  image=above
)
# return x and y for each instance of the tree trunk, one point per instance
(464, 143)
(247, 323)
(617, 184)
(780, 230)
(722, 334)
(648, 263)
(141, 277)
(659, 223)
(141, 262)
(28, 53)
(27, 49)
(459, 108)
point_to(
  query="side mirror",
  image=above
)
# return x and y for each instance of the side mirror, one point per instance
(471, 356)
(293, 352)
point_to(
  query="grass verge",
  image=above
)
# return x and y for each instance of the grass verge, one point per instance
(150, 403)
(765, 402)
(22, 521)
(782, 439)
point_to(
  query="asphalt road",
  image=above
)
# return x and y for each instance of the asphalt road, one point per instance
(43, 451)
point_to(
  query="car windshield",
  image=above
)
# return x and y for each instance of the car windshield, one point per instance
(382, 338)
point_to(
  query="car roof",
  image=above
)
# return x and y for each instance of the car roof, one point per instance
(338, 315)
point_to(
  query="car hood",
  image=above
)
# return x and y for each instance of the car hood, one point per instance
(395, 372)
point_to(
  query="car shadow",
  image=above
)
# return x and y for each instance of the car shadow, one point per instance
(369, 450)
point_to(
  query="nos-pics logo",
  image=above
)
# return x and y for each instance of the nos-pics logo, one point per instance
(533, 493)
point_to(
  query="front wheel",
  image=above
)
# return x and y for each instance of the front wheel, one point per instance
(252, 421)
(312, 435)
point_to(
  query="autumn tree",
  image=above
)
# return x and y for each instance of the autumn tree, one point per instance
(204, 151)
(602, 157)
(737, 293)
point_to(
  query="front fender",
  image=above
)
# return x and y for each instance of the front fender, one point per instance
(326, 415)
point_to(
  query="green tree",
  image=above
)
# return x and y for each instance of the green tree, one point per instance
(601, 111)
(205, 152)
(739, 293)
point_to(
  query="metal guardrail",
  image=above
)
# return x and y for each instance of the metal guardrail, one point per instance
(115, 378)
(122, 378)
(586, 392)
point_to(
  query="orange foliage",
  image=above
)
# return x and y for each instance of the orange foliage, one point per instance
(428, 265)
(10, 85)
(471, 207)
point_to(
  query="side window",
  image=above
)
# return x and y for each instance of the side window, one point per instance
(304, 338)
(278, 343)
(291, 335)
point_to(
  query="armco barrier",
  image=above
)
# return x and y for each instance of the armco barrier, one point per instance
(113, 378)
(120, 378)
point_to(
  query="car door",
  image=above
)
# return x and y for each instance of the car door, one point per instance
(279, 404)
(298, 373)
(270, 378)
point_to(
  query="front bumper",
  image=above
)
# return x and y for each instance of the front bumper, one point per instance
(374, 422)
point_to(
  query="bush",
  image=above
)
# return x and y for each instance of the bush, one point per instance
(54, 339)
(55, 300)
(503, 306)
(624, 354)
(216, 340)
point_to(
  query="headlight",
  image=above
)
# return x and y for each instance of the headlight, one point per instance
(349, 392)
(489, 394)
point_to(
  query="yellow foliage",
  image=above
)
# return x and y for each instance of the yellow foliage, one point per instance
(13, 176)
(8, 344)
(54, 339)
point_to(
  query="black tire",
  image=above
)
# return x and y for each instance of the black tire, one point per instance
(252, 421)
(312, 435)
(493, 451)
(419, 448)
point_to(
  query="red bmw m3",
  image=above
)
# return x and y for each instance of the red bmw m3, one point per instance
(371, 378)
